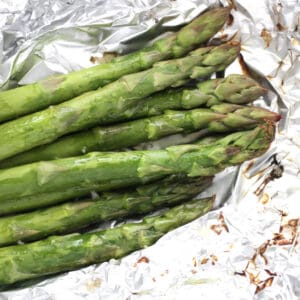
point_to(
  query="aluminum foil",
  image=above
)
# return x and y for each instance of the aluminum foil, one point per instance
(249, 247)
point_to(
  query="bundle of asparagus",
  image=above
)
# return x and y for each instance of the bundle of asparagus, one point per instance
(62, 253)
(53, 90)
(111, 205)
(44, 163)
(222, 117)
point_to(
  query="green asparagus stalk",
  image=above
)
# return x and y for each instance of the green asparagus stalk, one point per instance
(219, 118)
(40, 200)
(104, 105)
(72, 216)
(63, 253)
(56, 89)
(193, 160)
(29, 203)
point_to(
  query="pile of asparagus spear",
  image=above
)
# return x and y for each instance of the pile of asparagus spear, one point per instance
(55, 135)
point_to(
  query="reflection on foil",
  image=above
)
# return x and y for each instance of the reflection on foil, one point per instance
(247, 249)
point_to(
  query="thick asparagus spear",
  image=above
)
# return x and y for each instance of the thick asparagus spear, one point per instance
(63, 253)
(72, 216)
(104, 105)
(193, 160)
(56, 89)
(29, 203)
(219, 118)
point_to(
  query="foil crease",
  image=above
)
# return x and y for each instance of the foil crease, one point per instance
(248, 247)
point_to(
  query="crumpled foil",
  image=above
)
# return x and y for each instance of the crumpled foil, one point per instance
(249, 247)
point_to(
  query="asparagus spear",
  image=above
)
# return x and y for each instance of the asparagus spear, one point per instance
(74, 215)
(63, 253)
(56, 89)
(193, 160)
(220, 118)
(29, 203)
(104, 105)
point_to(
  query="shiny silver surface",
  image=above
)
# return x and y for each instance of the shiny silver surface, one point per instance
(248, 248)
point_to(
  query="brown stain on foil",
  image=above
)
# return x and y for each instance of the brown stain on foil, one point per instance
(243, 273)
(261, 251)
(214, 259)
(93, 284)
(218, 228)
(243, 65)
(232, 4)
(222, 221)
(194, 262)
(270, 77)
(270, 272)
(143, 259)
(264, 284)
(249, 166)
(105, 58)
(252, 272)
(204, 260)
(280, 27)
(286, 236)
(230, 20)
(266, 36)
(287, 232)
(94, 59)
(265, 198)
